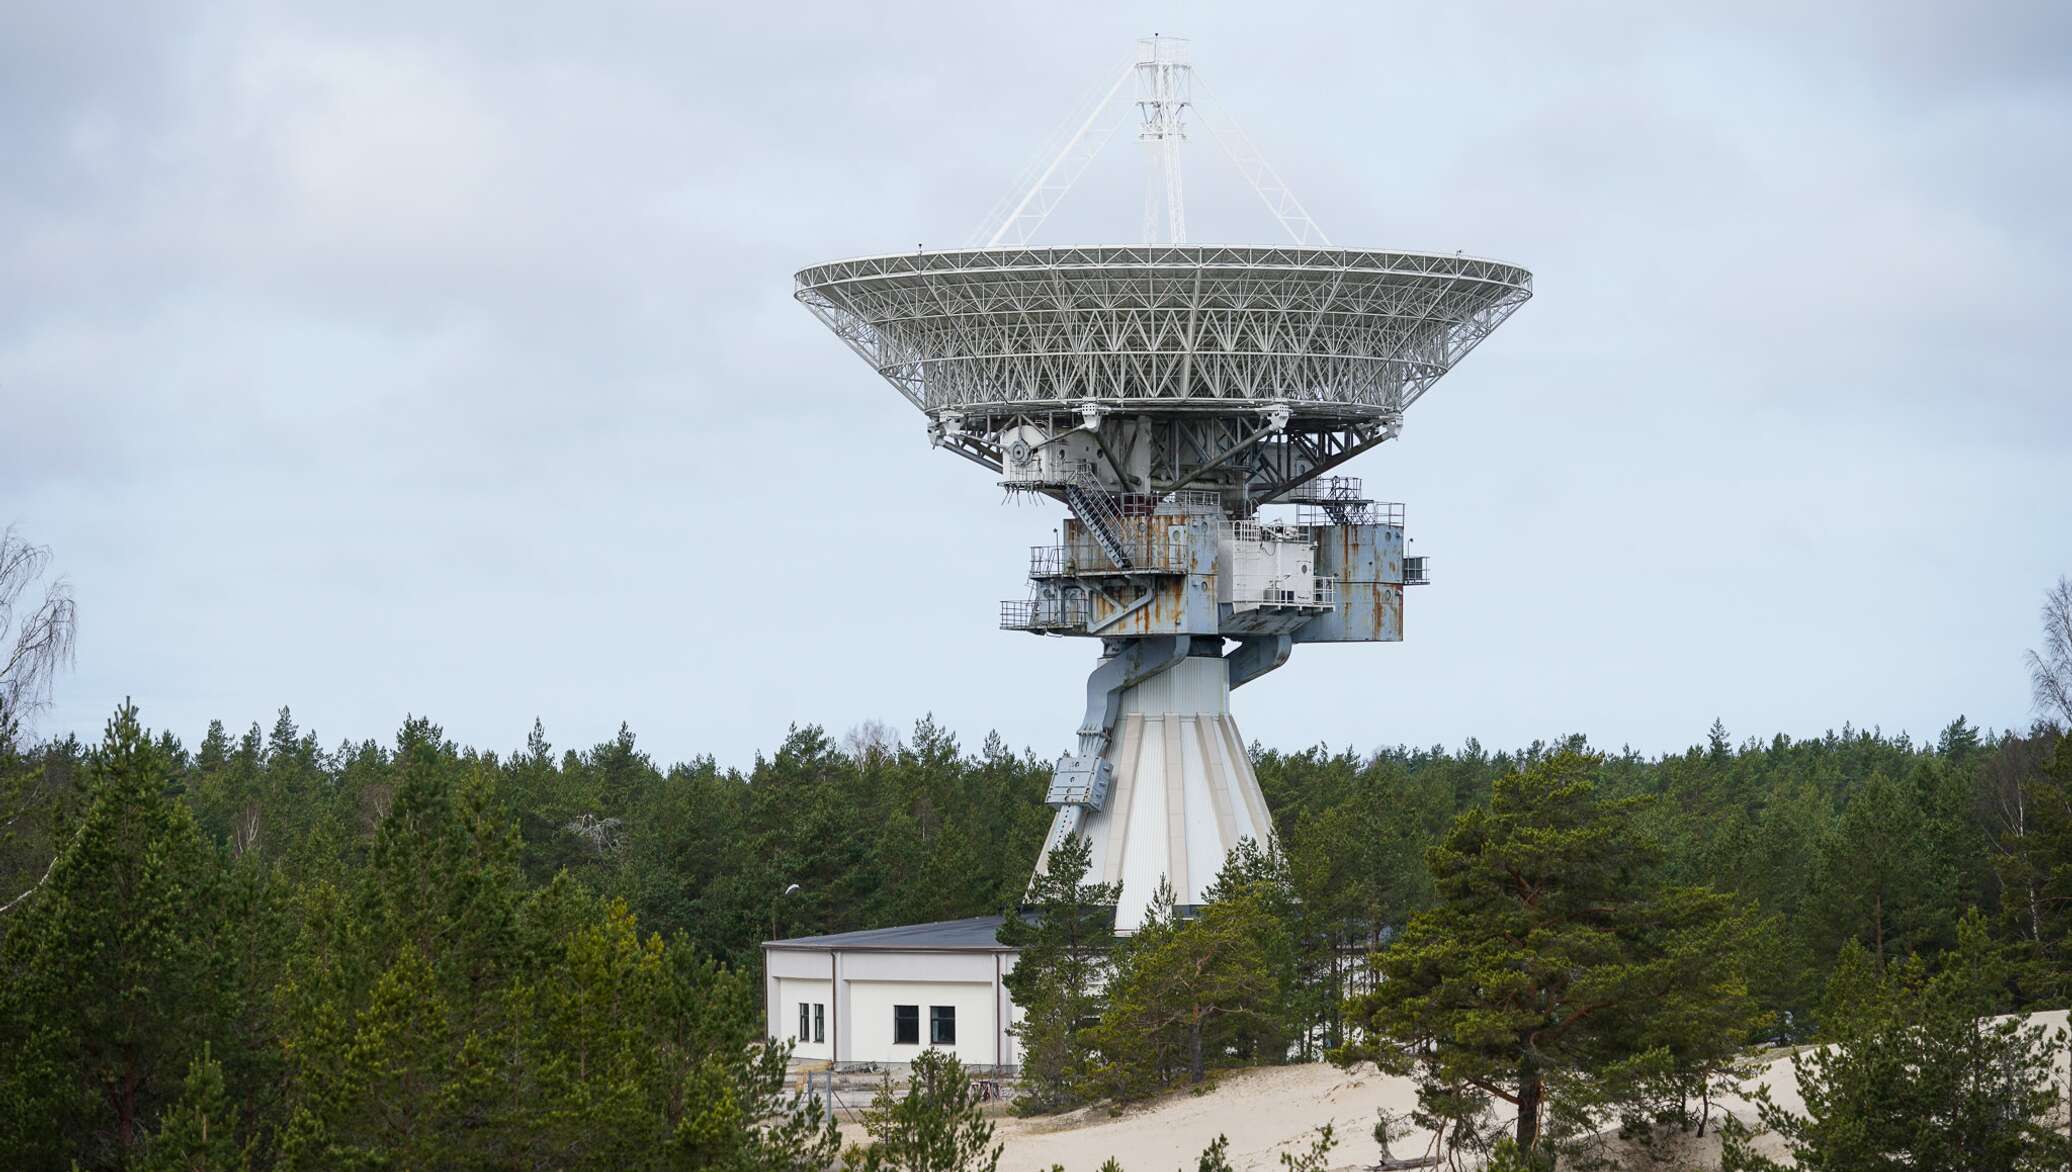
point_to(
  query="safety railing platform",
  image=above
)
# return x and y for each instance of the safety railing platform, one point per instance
(1067, 613)
(1388, 513)
(1323, 595)
(1149, 551)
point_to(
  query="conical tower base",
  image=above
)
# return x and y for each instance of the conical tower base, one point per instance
(1182, 795)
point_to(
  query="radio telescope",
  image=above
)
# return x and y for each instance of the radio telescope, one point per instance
(1167, 394)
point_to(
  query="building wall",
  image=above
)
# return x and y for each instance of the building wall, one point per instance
(791, 992)
(867, 984)
(871, 1003)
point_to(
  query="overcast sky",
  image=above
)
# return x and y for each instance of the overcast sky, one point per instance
(375, 359)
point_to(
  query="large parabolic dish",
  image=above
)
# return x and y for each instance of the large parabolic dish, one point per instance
(1337, 335)
(1176, 398)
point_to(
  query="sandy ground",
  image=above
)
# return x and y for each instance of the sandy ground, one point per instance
(1270, 1111)
(1264, 1112)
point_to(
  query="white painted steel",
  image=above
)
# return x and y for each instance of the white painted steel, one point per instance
(1055, 180)
(1337, 335)
(1184, 792)
(1166, 81)
(1164, 88)
(1272, 190)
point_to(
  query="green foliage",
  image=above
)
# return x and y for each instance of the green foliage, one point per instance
(405, 1004)
(1689, 1038)
(1555, 953)
(1918, 1072)
(1193, 994)
(1215, 1157)
(342, 930)
(2027, 793)
(1314, 1158)
(936, 1126)
(197, 1133)
(110, 984)
(1061, 968)
(1508, 1156)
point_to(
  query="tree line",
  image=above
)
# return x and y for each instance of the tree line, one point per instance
(314, 922)
(415, 953)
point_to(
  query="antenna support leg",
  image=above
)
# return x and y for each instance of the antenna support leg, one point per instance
(1256, 656)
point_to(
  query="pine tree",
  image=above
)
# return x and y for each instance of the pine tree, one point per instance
(197, 1133)
(1060, 968)
(2035, 866)
(1551, 943)
(1689, 1040)
(1887, 884)
(1190, 996)
(936, 1126)
(1919, 1074)
(398, 1082)
(721, 1090)
(589, 1016)
(110, 974)
(443, 876)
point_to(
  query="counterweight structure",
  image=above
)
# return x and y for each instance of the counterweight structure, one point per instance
(1188, 406)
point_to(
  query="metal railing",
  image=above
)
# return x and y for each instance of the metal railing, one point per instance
(1239, 531)
(1345, 489)
(1098, 513)
(1148, 548)
(1188, 503)
(1362, 513)
(1066, 613)
(1323, 595)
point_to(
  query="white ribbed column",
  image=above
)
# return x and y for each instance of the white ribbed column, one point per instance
(1183, 793)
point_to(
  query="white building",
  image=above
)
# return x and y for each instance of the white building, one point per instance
(887, 994)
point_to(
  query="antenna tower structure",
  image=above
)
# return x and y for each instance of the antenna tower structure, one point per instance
(1188, 406)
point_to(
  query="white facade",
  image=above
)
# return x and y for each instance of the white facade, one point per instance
(890, 994)
(789, 996)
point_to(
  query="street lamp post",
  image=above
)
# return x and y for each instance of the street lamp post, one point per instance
(791, 890)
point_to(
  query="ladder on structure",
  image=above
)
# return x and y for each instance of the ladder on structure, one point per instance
(1341, 499)
(1096, 510)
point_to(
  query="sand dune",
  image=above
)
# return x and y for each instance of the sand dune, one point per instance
(1270, 1111)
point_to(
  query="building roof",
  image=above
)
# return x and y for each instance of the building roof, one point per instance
(977, 934)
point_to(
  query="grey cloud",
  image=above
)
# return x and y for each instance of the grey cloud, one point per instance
(377, 358)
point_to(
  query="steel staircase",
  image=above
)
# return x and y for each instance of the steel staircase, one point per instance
(1341, 499)
(1096, 510)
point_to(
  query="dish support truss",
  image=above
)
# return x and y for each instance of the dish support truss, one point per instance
(1251, 368)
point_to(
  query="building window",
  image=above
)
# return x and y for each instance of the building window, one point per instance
(906, 1025)
(942, 1025)
(805, 1034)
(820, 1022)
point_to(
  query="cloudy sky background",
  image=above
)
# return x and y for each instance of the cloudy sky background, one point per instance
(376, 359)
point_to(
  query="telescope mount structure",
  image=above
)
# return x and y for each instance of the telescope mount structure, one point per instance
(1168, 395)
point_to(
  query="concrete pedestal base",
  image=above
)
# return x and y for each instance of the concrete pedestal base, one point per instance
(1183, 793)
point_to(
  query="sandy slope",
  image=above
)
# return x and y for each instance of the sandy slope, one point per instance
(1266, 1112)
